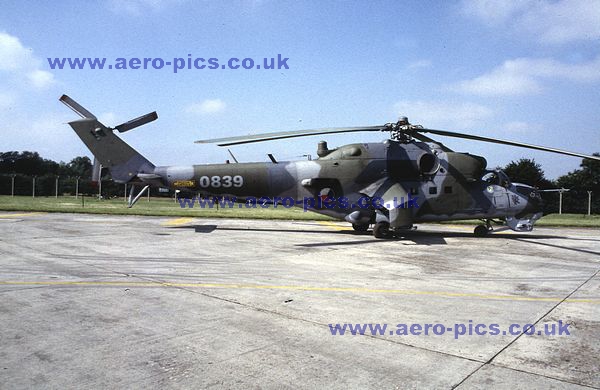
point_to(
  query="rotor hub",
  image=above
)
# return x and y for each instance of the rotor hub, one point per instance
(401, 130)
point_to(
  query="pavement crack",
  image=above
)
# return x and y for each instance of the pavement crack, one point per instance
(520, 335)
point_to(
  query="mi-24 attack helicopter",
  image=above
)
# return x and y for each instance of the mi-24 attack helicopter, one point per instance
(413, 178)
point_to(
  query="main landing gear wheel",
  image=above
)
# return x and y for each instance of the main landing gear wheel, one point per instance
(382, 230)
(360, 228)
(481, 231)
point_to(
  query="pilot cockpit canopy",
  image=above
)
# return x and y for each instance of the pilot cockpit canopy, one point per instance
(497, 177)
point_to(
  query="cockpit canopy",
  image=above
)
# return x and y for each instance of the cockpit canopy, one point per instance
(497, 177)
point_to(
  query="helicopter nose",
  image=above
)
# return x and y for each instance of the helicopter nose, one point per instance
(538, 203)
(535, 203)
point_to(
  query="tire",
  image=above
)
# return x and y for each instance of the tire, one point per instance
(382, 230)
(360, 228)
(480, 231)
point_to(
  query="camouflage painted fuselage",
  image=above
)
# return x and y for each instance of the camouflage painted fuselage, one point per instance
(447, 185)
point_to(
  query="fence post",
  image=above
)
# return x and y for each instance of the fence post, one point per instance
(560, 201)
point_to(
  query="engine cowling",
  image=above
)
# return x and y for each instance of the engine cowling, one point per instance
(471, 167)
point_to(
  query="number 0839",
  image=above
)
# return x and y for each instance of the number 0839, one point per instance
(221, 181)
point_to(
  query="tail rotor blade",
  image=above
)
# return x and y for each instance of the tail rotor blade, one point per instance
(76, 107)
(137, 122)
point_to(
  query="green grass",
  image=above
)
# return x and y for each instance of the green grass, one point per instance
(167, 207)
(156, 206)
(570, 220)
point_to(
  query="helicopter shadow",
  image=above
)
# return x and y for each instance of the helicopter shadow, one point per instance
(522, 237)
(580, 250)
(427, 238)
(368, 237)
(417, 237)
(212, 228)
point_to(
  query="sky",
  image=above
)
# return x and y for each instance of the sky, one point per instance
(525, 70)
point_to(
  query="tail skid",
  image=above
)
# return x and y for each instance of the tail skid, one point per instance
(123, 162)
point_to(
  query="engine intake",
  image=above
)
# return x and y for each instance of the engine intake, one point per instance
(428, 164)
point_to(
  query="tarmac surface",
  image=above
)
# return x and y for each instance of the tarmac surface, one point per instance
(90, 301)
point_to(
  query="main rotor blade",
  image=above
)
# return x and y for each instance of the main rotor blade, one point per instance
(247, 139)
(504, 142)
(424, 138)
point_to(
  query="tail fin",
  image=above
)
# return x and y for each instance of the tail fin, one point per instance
(123, 162)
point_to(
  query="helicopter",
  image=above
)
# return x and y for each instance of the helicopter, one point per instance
(392, 185)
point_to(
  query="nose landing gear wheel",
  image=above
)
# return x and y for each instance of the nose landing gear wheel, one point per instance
(382, 230)
(481, 231)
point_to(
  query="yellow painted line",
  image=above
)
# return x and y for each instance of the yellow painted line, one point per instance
(177, 221)
(334, 225)
(460, 227)
(300, 288)
(13, 215)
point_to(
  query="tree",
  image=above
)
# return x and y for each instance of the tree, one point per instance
(27, 163)
(7, 161)
(80, 166)
(527, 171)
(580, 181)
(586, 178)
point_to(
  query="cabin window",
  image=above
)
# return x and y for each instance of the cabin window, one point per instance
(432, 190)
(447, 189)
